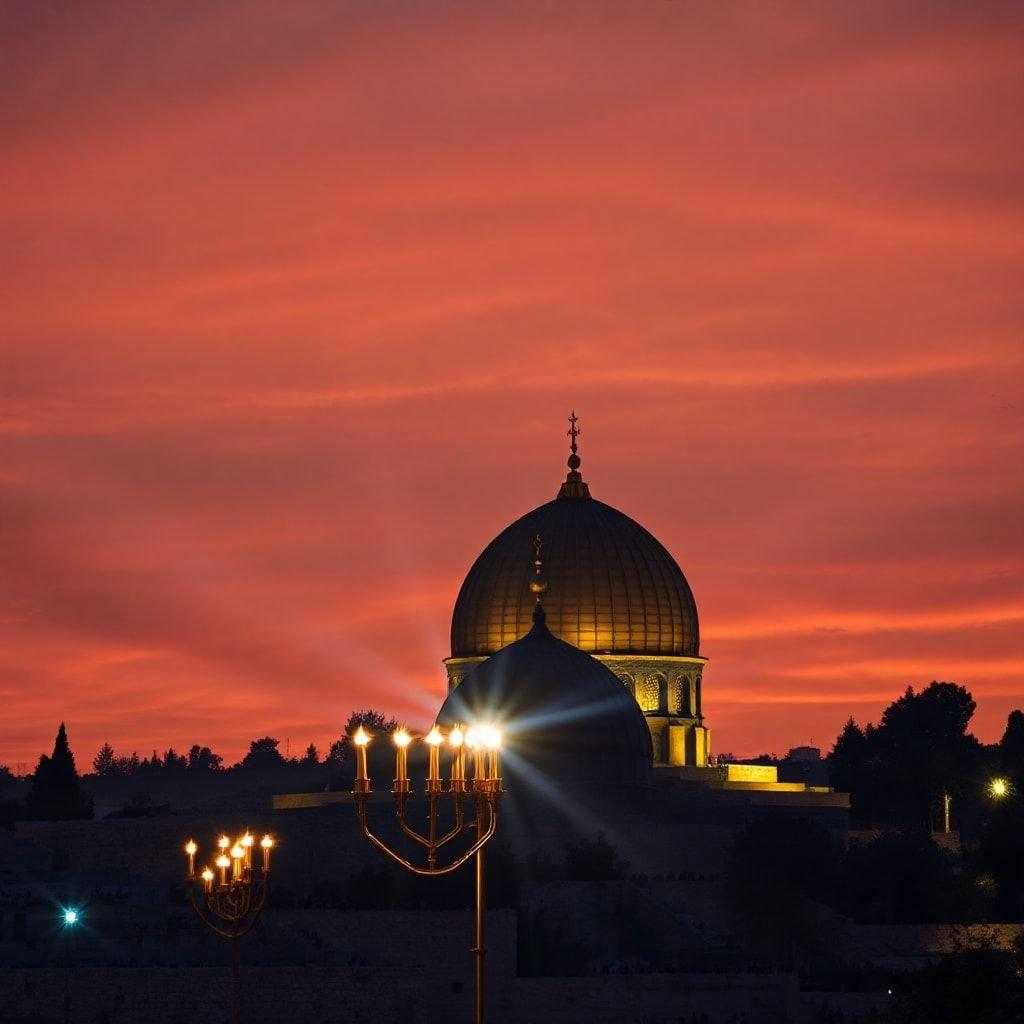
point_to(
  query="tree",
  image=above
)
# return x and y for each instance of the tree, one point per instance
(906, 878)
(311, 759)
(105, 763)
(594, 860)
(374, 722)
(173, 761)
(973, 986)
(203, 759)
(846, 761)
(56, 793)
(263, 755)
(1011, 746)
(898, 771)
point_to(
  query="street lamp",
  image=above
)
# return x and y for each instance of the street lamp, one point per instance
(232, 897)
(484, 790)
(71, 917)
(998, 788)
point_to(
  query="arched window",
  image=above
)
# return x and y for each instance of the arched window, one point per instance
(679, 703)
(662, 684)
(648, 693)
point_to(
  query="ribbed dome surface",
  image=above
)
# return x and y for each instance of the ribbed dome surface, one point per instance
(563, 713)
(613, 588)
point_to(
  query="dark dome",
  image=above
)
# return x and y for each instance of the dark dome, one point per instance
(563, 713)
(614, 588)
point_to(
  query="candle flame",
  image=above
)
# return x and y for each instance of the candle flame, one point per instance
(191, 847)
(223, 842)
(247, 839)
(455, 737)
(237, 852)
(223, 861)
(472, 739)
(435, 737)
(490, 737)
(266, 842)
(207, 875)
(402, 738)
(361, 738)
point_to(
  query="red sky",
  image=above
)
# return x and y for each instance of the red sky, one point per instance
(296, 298)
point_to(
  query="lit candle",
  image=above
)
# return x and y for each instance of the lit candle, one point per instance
(207, 877)
(361, 739)
(223, 843)
(492, 741)
(190, 848)
(473, 742)
(223, 862)
(247, 841)
(455, 738)
(266, 844)
(238, 859)
(402, 740)
(434, 739)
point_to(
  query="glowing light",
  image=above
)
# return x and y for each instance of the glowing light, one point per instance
(223, 843)
(71, 917)
(472, 739)
(191, 847)
(490, 737)
(247, 839)
(434, 737)
(402, 738)
(237, 852)
(455, 737)
(998, 787)
(267, 842)
(362, 737)
(223, 862)
(207, 875)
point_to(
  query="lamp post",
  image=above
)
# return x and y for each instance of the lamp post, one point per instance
(483, 791)
(998, 788)
(229, 900)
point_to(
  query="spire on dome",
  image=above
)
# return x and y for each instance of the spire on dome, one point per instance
(538, 585)
(574, 487)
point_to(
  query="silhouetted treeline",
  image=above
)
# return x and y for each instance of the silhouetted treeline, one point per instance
(144, 786)
(901, 773)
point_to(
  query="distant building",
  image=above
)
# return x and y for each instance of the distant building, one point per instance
(605, 600)
(614, 592)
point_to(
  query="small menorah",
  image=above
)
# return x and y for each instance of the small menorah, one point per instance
(483, 790)
(232, 896)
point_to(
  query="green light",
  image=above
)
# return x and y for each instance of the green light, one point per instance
(71, 917)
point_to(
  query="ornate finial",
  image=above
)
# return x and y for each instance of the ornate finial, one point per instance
(573, 432)
(574, 487)
(538, 585)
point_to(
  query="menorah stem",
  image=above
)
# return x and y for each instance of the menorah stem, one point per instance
(432, 833)
(236, 978)
(479, 950)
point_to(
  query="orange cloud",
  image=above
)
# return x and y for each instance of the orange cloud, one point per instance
(294, 307)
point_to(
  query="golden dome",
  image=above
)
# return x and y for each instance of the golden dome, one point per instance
(612, 587)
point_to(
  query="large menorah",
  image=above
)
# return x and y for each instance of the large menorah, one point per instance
(232, 897)
(483, 791)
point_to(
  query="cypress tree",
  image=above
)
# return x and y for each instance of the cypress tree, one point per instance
(56, 793)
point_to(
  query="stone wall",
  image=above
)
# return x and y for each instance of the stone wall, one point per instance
(410, 994)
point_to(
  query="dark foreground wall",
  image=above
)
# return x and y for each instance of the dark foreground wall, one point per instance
(407, 995)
